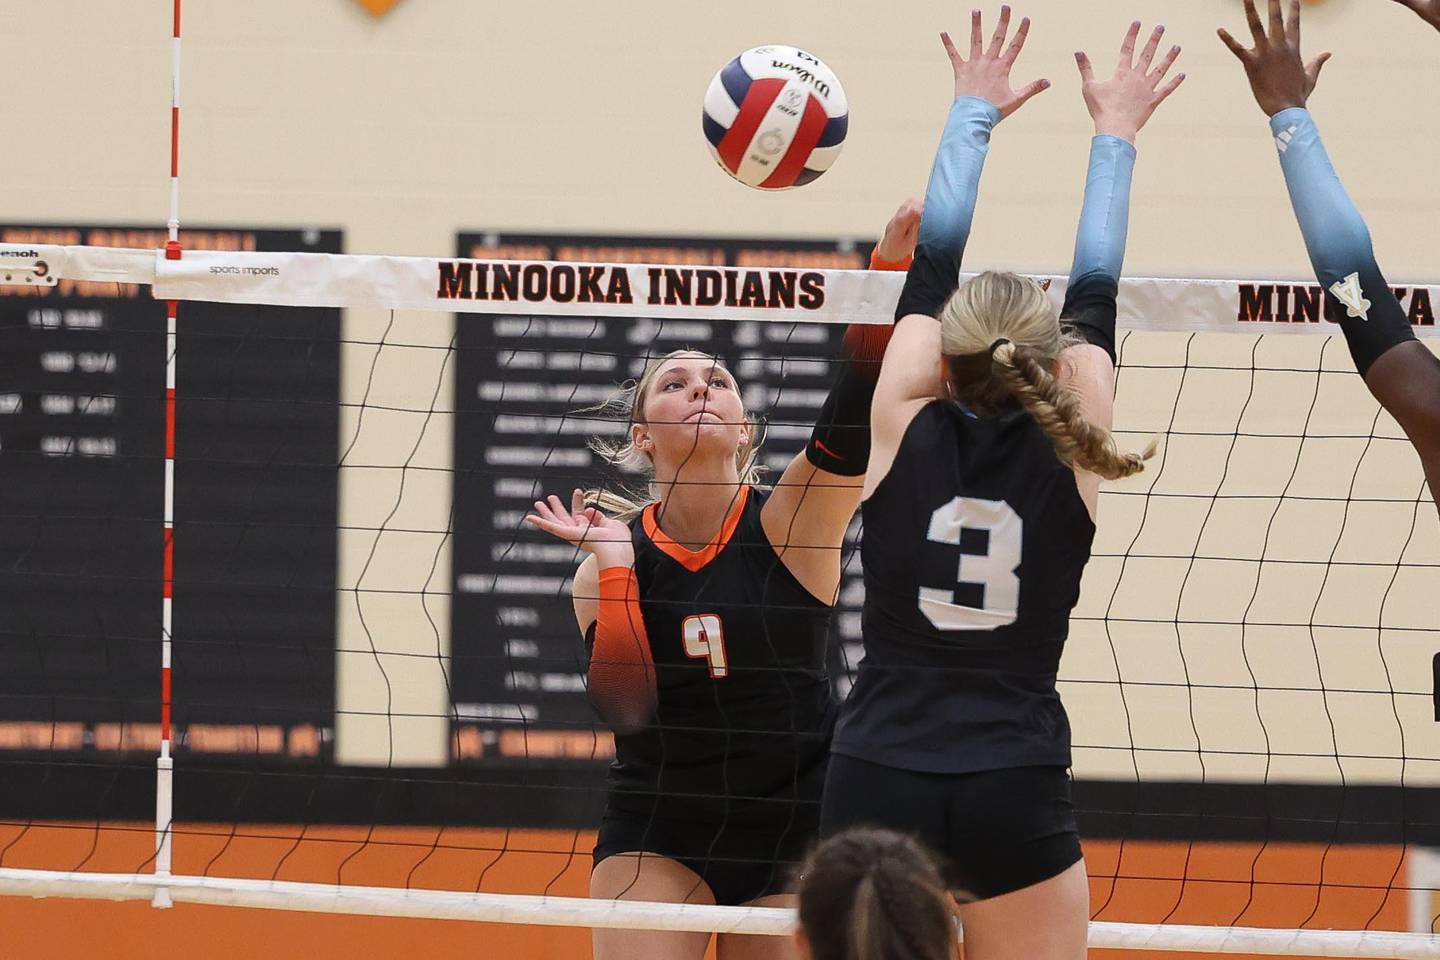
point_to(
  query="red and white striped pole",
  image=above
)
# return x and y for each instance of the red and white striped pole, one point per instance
(165, 764)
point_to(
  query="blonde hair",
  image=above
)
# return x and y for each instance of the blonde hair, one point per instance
(628, 403)
(1001, 337)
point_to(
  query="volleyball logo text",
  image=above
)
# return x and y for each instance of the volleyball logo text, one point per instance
(510, 282)
(1296, 303)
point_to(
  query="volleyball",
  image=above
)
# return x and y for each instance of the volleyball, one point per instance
(775, 117)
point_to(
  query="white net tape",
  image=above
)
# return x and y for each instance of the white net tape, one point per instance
(575, 912)
(637, 290)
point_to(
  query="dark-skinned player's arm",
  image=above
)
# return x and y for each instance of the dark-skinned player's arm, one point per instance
(1399, 370)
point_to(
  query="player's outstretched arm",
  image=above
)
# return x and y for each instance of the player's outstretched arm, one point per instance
(1402, 374)
(1120, 104)
(810, 508)
(1428, 10)
(984, 95)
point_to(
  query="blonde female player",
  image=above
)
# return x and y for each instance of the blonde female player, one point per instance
(706, 618)
(1401, 372)
(991, 437)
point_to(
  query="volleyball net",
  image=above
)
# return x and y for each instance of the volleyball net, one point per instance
(277, 542)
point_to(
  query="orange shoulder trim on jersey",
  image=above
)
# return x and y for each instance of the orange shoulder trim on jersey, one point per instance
(694, 560)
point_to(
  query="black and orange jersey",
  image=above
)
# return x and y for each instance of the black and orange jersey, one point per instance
(744, 710)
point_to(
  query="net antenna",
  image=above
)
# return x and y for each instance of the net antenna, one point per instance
(165, 762)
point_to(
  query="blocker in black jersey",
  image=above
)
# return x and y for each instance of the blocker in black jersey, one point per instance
(974, 546)
(727, 777)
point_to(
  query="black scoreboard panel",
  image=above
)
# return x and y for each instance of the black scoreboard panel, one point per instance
(82, 444)
(522, 388)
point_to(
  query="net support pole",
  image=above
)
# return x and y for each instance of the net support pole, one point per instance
(165, 762)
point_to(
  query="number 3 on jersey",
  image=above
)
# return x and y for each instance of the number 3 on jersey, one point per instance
(705, 640)
(993, 570)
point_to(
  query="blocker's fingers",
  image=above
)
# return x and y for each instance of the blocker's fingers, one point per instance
(558, 508)
(1018, 43)
(1147, 56)
(1165, 65)
(1277, 22)
(1234, 45)
(977, 43)
(577, 502)
(1257, 29)
(950, 47)
(1087, 73)
(1169, 88)
(1292, 28)
(1127, 48)
(997, 39)
(1039, 86)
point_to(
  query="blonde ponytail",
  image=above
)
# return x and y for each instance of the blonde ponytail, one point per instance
(1078, 442)
(1002, 336)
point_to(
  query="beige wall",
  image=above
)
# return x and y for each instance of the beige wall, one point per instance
(575, 115)
(453, 114)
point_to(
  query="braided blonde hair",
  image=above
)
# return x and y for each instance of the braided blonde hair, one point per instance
(1002, 338)
(628, 403)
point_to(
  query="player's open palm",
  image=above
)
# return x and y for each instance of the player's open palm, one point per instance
(986, 74)
(1429, 10)
(1122, 103)
(1278, 76)
(585, 527)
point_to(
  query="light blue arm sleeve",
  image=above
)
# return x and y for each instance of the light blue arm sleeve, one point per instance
(1335, 233)
(1105, 216)
(955, 175)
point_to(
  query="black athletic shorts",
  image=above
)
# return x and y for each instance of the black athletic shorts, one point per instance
(995, 831)
(739, 861)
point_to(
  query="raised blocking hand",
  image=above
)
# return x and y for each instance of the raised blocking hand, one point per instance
(1279, 78)
(1122, 104)
(987, 73)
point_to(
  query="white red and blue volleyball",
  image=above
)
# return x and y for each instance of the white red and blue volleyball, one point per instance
(775, 117)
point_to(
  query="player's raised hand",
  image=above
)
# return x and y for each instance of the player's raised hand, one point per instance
(586, 528)
(1429, 10)
(1279, 78)
(898, 241)
(986, 74)
(1122, 103)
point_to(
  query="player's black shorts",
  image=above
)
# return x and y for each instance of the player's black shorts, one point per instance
(995, 831)
(739, 861)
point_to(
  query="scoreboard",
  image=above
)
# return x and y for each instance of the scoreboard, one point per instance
(82, 442)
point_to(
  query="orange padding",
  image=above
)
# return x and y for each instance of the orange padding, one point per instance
(622, 670)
